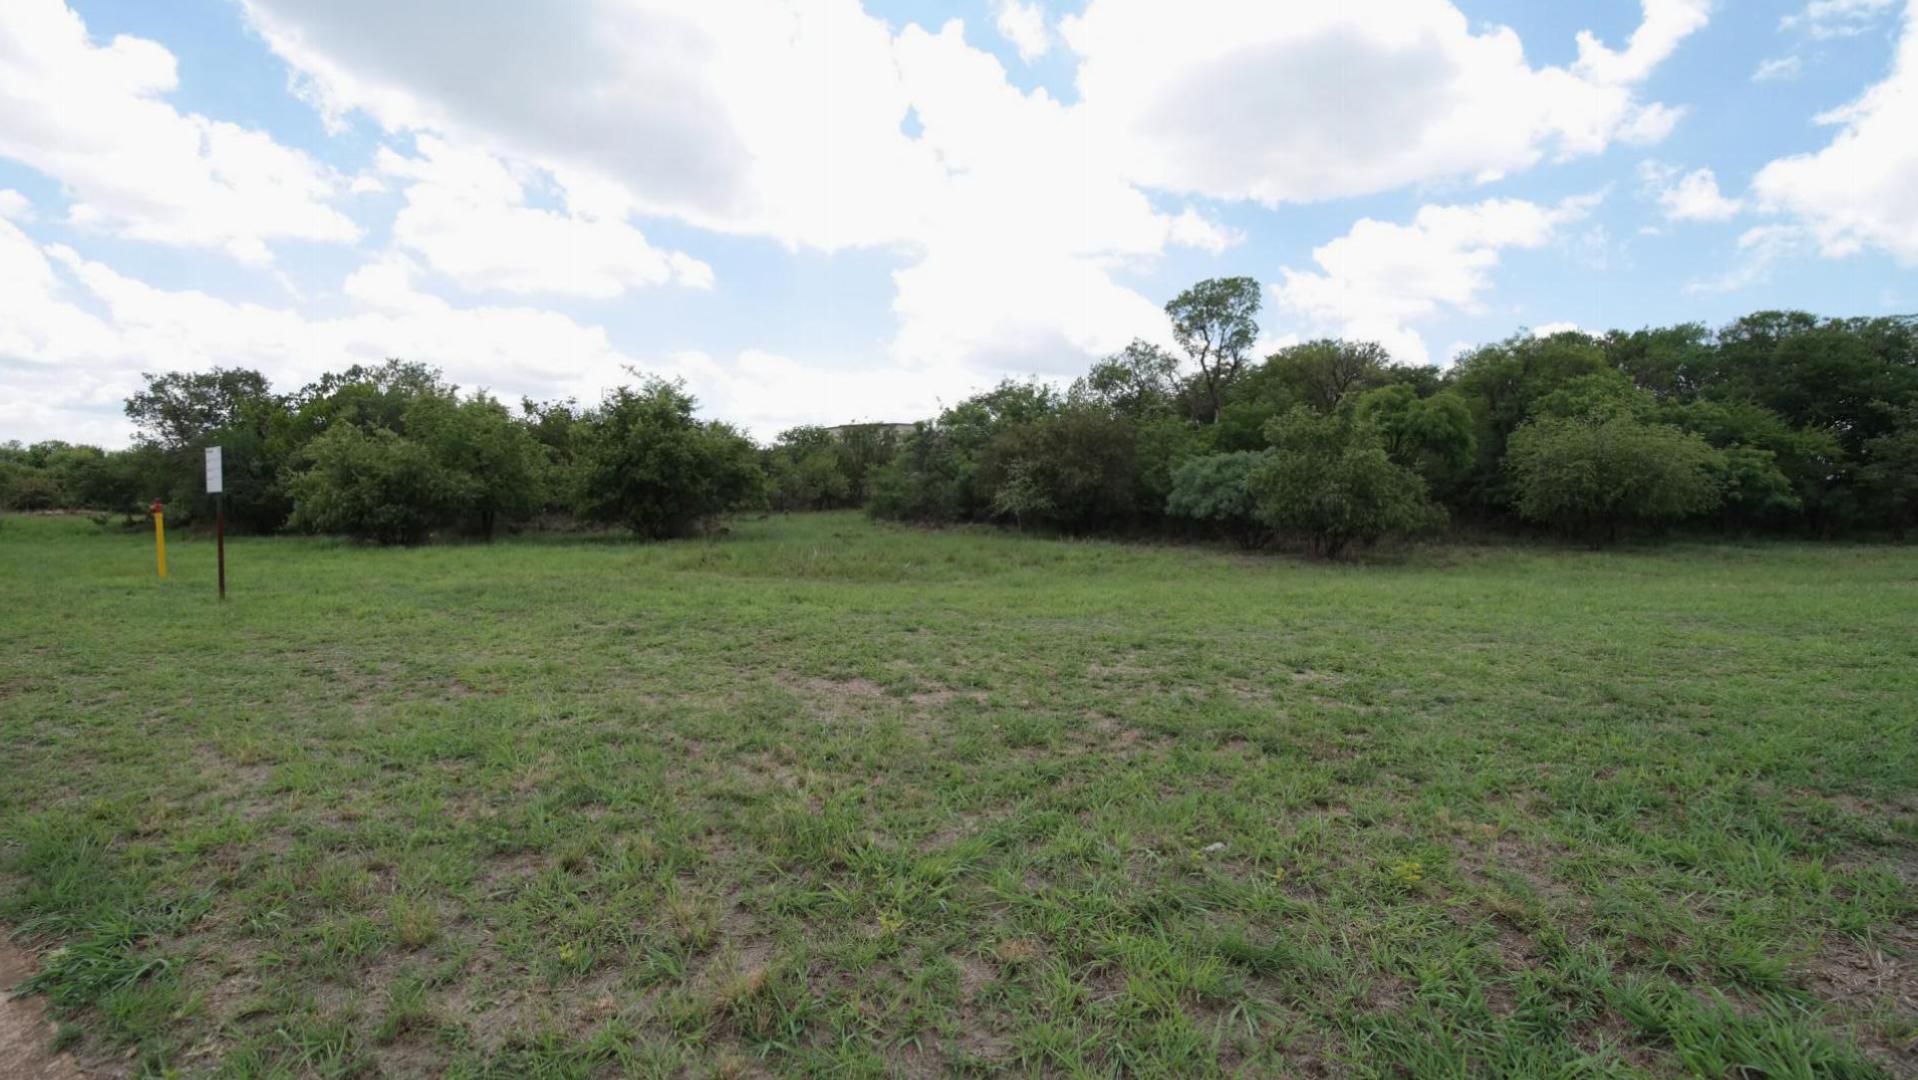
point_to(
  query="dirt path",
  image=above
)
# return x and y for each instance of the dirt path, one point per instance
(25, 1033)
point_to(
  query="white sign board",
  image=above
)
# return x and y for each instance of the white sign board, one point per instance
(215, 478)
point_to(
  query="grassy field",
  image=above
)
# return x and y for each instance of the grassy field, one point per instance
(825, 797)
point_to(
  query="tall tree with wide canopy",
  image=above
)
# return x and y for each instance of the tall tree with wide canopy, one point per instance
(1215, 322)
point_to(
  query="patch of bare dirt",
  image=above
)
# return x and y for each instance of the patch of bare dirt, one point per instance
(26, 1035)
(1866, 979)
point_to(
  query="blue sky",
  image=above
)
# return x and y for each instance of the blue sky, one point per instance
(817, 210)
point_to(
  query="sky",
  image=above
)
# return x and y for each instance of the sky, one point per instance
(824, 211)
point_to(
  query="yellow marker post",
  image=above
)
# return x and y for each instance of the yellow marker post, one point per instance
(159, 537)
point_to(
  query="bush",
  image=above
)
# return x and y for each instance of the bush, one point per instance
(1077, 470)
(645, 463)
(1329, 479)
(1592, 478)
(500, 469)
(927, 482)
(374, 485)
(1216, 490)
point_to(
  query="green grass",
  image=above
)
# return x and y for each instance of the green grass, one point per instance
(831, 798)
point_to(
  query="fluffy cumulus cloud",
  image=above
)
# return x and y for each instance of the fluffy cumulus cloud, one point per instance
(95, 118)
(466, 215)
(1017, 219)
(1023, 24)
(1294, 102)
(1381, 279)
(1688, 196)
(1858, 193)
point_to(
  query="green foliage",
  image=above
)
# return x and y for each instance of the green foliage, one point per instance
(1599, 396)
(927, 481)
(501, 469)
(1502, 382)
(645, 463)
(181, 409)
(1321, 374)
(936, 475)
(1329, 480)
(816, 468)
(1216, 490)
(1753, 489)
(1140, 382)
(1216, 322)
(1890, 470)
(1076, 470)
(1590, 478)
(374, 485)
(1432, 436)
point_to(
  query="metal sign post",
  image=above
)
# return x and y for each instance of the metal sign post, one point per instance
(216, 487)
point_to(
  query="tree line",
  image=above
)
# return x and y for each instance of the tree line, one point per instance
(1781, 422)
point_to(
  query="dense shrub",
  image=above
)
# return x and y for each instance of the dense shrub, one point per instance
(1329, 479)
(1592, 478)
(1216, 490)
(644, 462)
(1076, 470)
(374, 485)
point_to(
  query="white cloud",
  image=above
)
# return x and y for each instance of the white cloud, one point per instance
(1837, 18)
(1295, 102)
(1194, 230)
(1381, 278)
(1779, 69)
(1023, 24)
(810, 122)
(1859, 192)
(1759, 249)
(765, 117)
(466, 215)
(94, 118)
(15, 206)
(1549, 329)
(77, 333)
(1692, 196)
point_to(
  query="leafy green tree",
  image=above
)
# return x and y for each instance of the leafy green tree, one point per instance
(1432, 436)
(1216, 490)
(1216, 322)
(1824, 374)
(860, 451)
(1813, 463)
(646, 463)
(1593, 478)
(1598, 396)
(1890, 471)
(1329, 479)
(1501, 383)
(1673, 364)
(804, 471)
(501, 467)
(1140, 381)
(180, 409)
(928, 481)
(1164, 443)
(373, 484)
(1322, 373)
(1754, 490)
(1076, 470)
